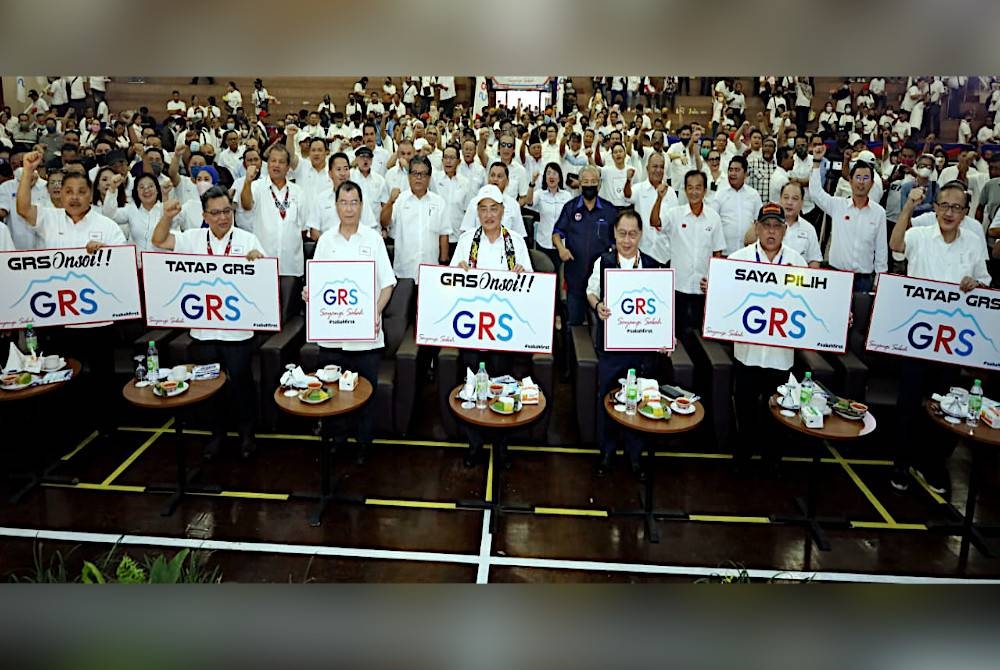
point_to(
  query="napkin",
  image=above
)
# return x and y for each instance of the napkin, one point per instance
(15, 360)
(296, 378)
(468, 391)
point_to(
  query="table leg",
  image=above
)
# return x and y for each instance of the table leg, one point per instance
(316, 517)
(652, 530)
(807, 508)
(971, 534)
(498, 455)
(181, 489)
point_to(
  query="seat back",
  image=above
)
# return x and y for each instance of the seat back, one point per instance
(395, 316)
(540, 262)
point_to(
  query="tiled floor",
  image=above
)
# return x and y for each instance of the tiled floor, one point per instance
(408, 514)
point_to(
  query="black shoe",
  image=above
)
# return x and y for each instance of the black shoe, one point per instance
(604, 465)
(248, 445)
(900, 479)
(362, 456)
(213, 448)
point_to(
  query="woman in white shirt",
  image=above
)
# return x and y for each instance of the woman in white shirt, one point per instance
(828, 119)
(142, 213)
(549, 204)
(232, 97)
(615, 176)
(261, 99)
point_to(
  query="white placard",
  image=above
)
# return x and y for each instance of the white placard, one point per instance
(496, 310)
(935, 321)
(342, 298)
(642, 310)
(55, 287)
(777, 305)
(211, 292)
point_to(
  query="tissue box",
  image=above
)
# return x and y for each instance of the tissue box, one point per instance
(811, 417)
(991, 416)
(348, 380)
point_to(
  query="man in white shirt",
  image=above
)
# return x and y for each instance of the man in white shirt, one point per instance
(417, 221)
(499, 176)
(25, 236)
(231, 157)
(176, 106)
(372, 184)
(281, 211)
(947, 253)
(456, 192)
(379, 156)
(396, 177)
(351, 241)
(736, 204)
(324, 215)
(652, 199)
(858, 227)
(760, 369)
(517, 177)
(695, 235)
(785, 159)
(313, 174)
(470, 167)
(233, 349)
(446, 86)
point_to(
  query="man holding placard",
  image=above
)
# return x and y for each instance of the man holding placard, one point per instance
(611, 365)
(947, 253)
(232, 349)
(351, 241)
(77, 225)
(760, 369)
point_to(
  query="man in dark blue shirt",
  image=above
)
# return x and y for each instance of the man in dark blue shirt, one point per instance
(581, 234)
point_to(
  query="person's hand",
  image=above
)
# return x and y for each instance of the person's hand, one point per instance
(665, 350)
(254, 255)
(916, 195)
(116, 181)
(484, 134)
(463, 264)
(931, 137)
(534, 176)
(703, 284)
(93, 246)
(629, 174)
(565, 255)
(305, 294)
(31, 161)
(968, 284)
(661, 190)
(818, 151)
(602, 311)
(394, 195)
(291, 129)
(518, 268)
(171, 208)
(252, 171)
(166, 189)
(378, 324)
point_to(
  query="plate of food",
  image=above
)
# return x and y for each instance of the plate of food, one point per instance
(170, 388)
(17, 381)
(850, 410)
(315, 396)
(654, 411)
(504, 405)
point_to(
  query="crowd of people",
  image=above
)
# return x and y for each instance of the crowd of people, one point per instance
(405, 175)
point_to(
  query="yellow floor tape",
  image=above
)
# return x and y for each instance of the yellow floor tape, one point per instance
(87, 440)
(876, 503)
(138, 452)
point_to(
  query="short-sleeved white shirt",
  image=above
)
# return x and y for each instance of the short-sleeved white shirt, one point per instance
(417, 224)
(930, 257)
(693, 240)
(655, 243)
(492, 255)
(281, 238)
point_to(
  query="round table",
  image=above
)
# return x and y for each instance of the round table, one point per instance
(490, 420)
(977, 439)
(834, 427)
(41, 471)
(198, 391)
(675, 425)
(341, 402)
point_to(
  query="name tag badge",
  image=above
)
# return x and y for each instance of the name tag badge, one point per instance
(237, 251)
(97, 237)
(365, 251)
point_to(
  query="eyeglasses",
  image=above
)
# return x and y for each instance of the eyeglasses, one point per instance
(348, 203)
(714, 160)
(219, 212)
(507, 145)
(951, 207)
(420, 175)
(862, 178)
(627, 235)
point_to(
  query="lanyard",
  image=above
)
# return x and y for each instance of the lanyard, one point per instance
(756, 252)
(281, 206)
(208, 243)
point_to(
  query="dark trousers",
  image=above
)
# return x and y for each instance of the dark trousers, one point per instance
(576, 303)
(752, 387)
(97, 397)
(690, 312)
(863, 283)
(290, 290)
(932, 119)
(815, 217)
(239, 398)
(366, 364)
(611, 366)
(684, 85)
(801, 119)
(920, 442)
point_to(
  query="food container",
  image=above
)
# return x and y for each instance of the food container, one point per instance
(683, 403)
(991, 416)
(348, 380)
(168, 386)
(811, 417)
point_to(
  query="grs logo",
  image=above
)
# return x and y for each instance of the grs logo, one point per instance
(762, 315)
(76, 295)
(495, 320)
(954, 338)
(196, 305)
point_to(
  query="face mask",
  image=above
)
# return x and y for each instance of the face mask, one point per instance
(829, 109)
(790, 143)
(801, 152)
(704, 153)
(924, 172)
(102, 159)
(157, 168)
(907, 161)
(24, 126)
(589, 192)
(50, 129)
(203, 186)
(230, 126)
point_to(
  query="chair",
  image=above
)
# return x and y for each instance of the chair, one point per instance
(880, 387)
(529, 227)
(678, 369)
(397, 374)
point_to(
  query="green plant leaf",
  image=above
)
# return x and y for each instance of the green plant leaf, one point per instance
(162, 572)
(91, 575)
(129, 572)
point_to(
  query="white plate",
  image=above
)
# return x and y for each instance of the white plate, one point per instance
(143, 384)
(18, 387)
(290, 393)
(787, 413)
(498, 411)
(619, 408)
(181, 388)
(310, 401)
(850, 417)
(327, 377)
(683, 412)
(666, 415)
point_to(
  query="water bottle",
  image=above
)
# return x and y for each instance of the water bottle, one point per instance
(152, 362)
(975, 404)
(631, 393)
(31, 340)
(806, 391)
(482, 386)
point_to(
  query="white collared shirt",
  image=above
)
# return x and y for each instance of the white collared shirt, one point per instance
(397, 177)
(693, 240)
(198, 241)
(511, 217)
(492, 255)
(968, 224)
(6, 241)
(25, 236)
(456, 193)
(613, 184)
(474, 172)
(930, 257)
(549, 206)
(757, 355)
(737, 209)
(365, 245)
(373, 190)
(324, 216)
(801, 236)
(140, 221)
(654, 242)
(417, 224)
(311, 180)
(858, 237)
(281, 238)
(594, 281)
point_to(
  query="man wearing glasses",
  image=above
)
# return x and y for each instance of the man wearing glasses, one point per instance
(417, 221)
(233, 349)
(857, 242)
(946, 252)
